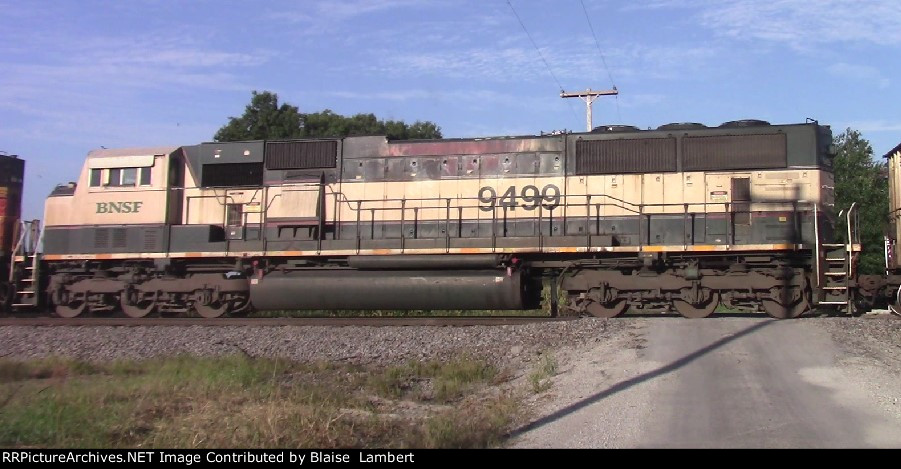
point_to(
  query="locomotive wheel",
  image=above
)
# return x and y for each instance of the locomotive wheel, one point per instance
(137, 309)
(697, 311)
(778, 310)
(785, 303)
(71, 309)
(240, 305)
(606, 310)
(212, 310)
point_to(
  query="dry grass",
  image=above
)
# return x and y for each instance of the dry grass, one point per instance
(245, 402)
(541, 377)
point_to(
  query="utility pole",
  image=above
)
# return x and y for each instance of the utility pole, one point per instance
(589, 96)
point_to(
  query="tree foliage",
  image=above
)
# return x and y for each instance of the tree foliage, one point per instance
(265, 118)
(859, 178)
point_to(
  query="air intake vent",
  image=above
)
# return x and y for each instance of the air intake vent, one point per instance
(734, 152)
(150, 240)
(120, 238)
(101, 238)
(232, 175)
(301, 155)
(645, 155)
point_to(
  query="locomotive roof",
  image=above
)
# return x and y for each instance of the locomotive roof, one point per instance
(136, 151)
(892, 151)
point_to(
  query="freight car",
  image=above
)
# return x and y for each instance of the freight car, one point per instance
(12, 172)
(684, 217)
(886, 290)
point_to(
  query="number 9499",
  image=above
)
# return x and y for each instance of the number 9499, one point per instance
(528, 198)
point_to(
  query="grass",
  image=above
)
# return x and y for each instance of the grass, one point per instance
(540, 378)
(237, 401)
(433, 380)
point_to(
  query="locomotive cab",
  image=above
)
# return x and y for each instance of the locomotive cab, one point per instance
(121, 203)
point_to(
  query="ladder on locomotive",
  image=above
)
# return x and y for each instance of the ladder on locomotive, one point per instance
(24, 272)
(836, 263)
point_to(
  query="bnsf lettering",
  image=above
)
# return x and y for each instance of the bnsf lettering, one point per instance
(119, 207)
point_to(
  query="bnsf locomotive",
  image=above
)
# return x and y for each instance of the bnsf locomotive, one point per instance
(684, 217)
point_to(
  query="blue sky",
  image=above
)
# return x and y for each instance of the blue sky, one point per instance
(80, 74)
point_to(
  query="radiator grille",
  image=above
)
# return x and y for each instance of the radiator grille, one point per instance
(120, 238)
(301, 155)
(734, 152)
(150, 240)
(101, 238)
(646, 155)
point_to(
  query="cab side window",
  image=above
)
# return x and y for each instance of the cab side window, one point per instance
(96, 177)
(123, 177)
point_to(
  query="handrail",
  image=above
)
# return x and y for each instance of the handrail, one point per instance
(849, 216)
(12, 259)
(543, 211)
(30, 234)
(816, 244)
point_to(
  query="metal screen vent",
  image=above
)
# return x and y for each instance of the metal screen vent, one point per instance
(120, 238)
(301, 155)
(150, 240)
(734, 152)
(101, 238)
(645, 155)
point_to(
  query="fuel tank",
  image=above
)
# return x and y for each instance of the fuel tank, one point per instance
(403, 290)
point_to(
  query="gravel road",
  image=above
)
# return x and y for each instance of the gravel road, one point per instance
(632, 382)
(729, 382)
(504, 345)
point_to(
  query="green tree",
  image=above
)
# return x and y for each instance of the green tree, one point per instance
(859, 178)
(264, 118)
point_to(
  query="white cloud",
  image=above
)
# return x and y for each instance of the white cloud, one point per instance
(474, 99)
(382, 95)
(874, 125)
(82, 89)
(802, 22)
(322, 16)
(641, 100)
(798, 23)
(571, 68)
(864, 74)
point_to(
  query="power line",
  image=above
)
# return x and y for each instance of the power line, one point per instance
(534, 45)
(603, 59)
(546, 64)
(597, 44)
